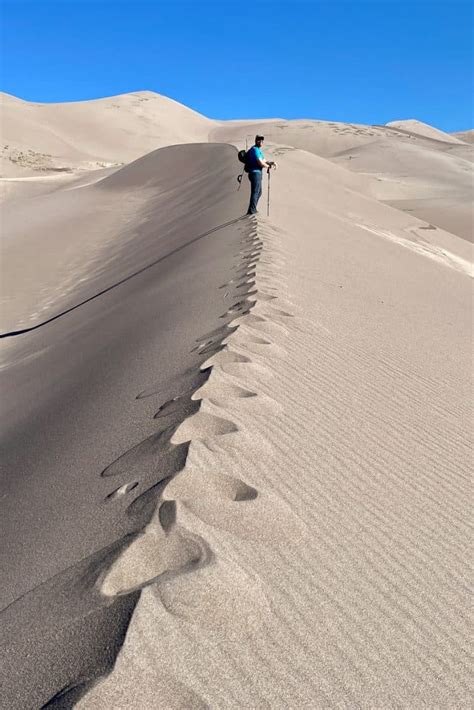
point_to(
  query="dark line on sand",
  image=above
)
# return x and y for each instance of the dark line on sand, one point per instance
(13, 333)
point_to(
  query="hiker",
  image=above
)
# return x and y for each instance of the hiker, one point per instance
(254, 163)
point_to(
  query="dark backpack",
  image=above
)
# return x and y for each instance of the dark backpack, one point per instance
(242, 156)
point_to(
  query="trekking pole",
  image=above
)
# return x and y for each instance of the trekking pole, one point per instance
(268, 197)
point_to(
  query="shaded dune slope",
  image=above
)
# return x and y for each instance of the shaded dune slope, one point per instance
(87, 238)
(91, 402)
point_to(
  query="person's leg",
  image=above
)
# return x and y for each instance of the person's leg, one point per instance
(259, 194)
(256, 190)
(253, 177)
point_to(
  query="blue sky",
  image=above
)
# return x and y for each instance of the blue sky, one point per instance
(367, 61)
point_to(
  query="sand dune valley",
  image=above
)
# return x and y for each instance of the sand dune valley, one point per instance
(235, 449)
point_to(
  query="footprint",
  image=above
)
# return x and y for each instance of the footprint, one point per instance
(248, 256)
(253, 318)
(144, 505)
(186, 383)
(154, 557)
(212, 347)
(144, 451)
(239, 278)
(224, 389)
(249, 284)
(248, 260)
(242, 272)
(279, 312)
(264, 325)
(222, 331)
(185, 406)
(201, 346)
(193, 484)
(241, 370)
(225, 356)
(167, 514)
(238, 282)
(239, 308)
(265, 519)
(255, 339)
(202, 426)
(262, 296)
(123, 490)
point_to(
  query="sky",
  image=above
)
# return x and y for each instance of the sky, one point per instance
(361, 61)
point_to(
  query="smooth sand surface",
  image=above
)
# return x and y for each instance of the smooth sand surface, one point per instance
(277, 414)
(86, 237)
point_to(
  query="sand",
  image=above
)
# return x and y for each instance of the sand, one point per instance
(311, 548)
(465, 136)
(92, 134)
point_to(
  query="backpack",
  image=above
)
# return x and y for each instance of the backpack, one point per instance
(242, 156)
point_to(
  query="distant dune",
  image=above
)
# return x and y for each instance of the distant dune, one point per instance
(423, 129)
(92, 134)
(427, 176)
(466, 136)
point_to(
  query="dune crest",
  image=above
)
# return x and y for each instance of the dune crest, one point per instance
(424, 129)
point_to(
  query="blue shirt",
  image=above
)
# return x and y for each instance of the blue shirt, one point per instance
(253, 156)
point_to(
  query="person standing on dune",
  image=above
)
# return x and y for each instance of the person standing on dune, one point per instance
(254, 164)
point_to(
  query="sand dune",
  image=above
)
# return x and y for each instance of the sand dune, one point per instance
(317, 548)
(423, 129)
(465, 136)
(413, 165)
(82, 236)
(433, 185)
(417, 172)
(92, 134)
(262, 442)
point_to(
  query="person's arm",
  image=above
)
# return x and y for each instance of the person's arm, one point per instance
(264, 163)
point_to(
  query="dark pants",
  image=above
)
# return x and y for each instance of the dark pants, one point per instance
(255, 178)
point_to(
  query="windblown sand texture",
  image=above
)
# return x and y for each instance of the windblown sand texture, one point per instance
(312, 549)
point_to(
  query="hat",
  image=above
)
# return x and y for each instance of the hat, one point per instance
(259, 138)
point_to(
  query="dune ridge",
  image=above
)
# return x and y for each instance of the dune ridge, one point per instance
(423, 129)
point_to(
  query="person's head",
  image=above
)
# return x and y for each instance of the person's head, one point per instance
(259, 141)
